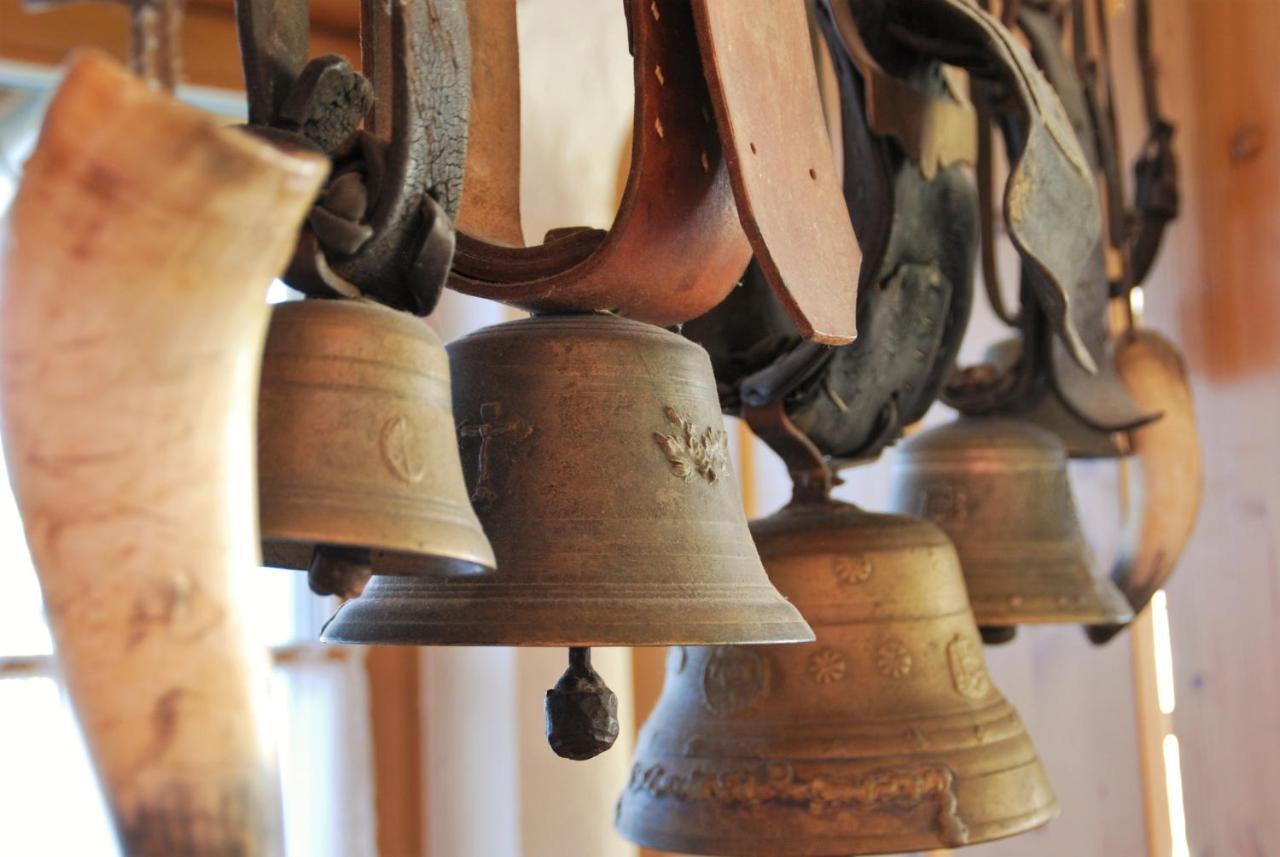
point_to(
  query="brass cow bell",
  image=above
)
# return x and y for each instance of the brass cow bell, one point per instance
(998, 487)
(358, 467)
(885, 735)
(595, 458)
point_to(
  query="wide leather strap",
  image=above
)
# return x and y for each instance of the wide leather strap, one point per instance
(758, 62)
(1099, 400)
(676, 247)
(490, 207)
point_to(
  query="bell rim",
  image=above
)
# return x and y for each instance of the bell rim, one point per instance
(295, 555)
(535, 635)
(825, 846)
(1102, 604)
(1029, 774)
(479, 611)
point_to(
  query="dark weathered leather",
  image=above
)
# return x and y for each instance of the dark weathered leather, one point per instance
(381, 228)
(1050, 204)
(676, 247)
(918, 237)
(1084, 409)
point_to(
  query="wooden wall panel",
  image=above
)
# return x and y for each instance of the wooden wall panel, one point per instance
(211, 56)
(1223, 282)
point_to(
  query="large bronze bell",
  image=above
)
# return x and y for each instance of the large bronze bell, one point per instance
(885, 735)
(595, 457)
(358, 467)
(998, 487)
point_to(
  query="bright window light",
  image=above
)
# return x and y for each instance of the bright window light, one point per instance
(1173, 791)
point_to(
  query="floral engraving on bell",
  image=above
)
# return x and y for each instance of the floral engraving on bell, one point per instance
(892, 659)
(968, 673)
(401, 448)
(852, 571)
(494, 429)
(693, 450)
(827, 666)
(893, 789)
(734, 678)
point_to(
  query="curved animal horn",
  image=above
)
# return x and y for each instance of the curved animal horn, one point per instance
(1164, 499)
(142, 242)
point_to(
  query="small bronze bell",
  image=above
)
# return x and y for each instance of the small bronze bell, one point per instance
(998, 487)
(358, 468)
(596, 461)
(885, 735)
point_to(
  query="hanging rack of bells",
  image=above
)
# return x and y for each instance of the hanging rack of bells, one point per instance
(563, 480)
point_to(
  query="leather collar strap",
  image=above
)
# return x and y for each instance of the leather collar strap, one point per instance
(758, 61)
(676, 248)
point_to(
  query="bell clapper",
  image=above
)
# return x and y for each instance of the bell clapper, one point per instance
(582, 712)
(339, 570)
(994, 635)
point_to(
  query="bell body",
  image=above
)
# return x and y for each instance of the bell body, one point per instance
(356, 445)
(999, 489)
(595, 457)
(884, 735)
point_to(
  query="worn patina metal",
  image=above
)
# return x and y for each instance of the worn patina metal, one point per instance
(596, 459)
(358, 467)
(998, 487)
(886, 734)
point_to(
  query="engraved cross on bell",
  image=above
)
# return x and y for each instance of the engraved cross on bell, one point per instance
(492, 428)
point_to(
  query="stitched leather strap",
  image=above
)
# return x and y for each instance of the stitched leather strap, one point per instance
(676, 247)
